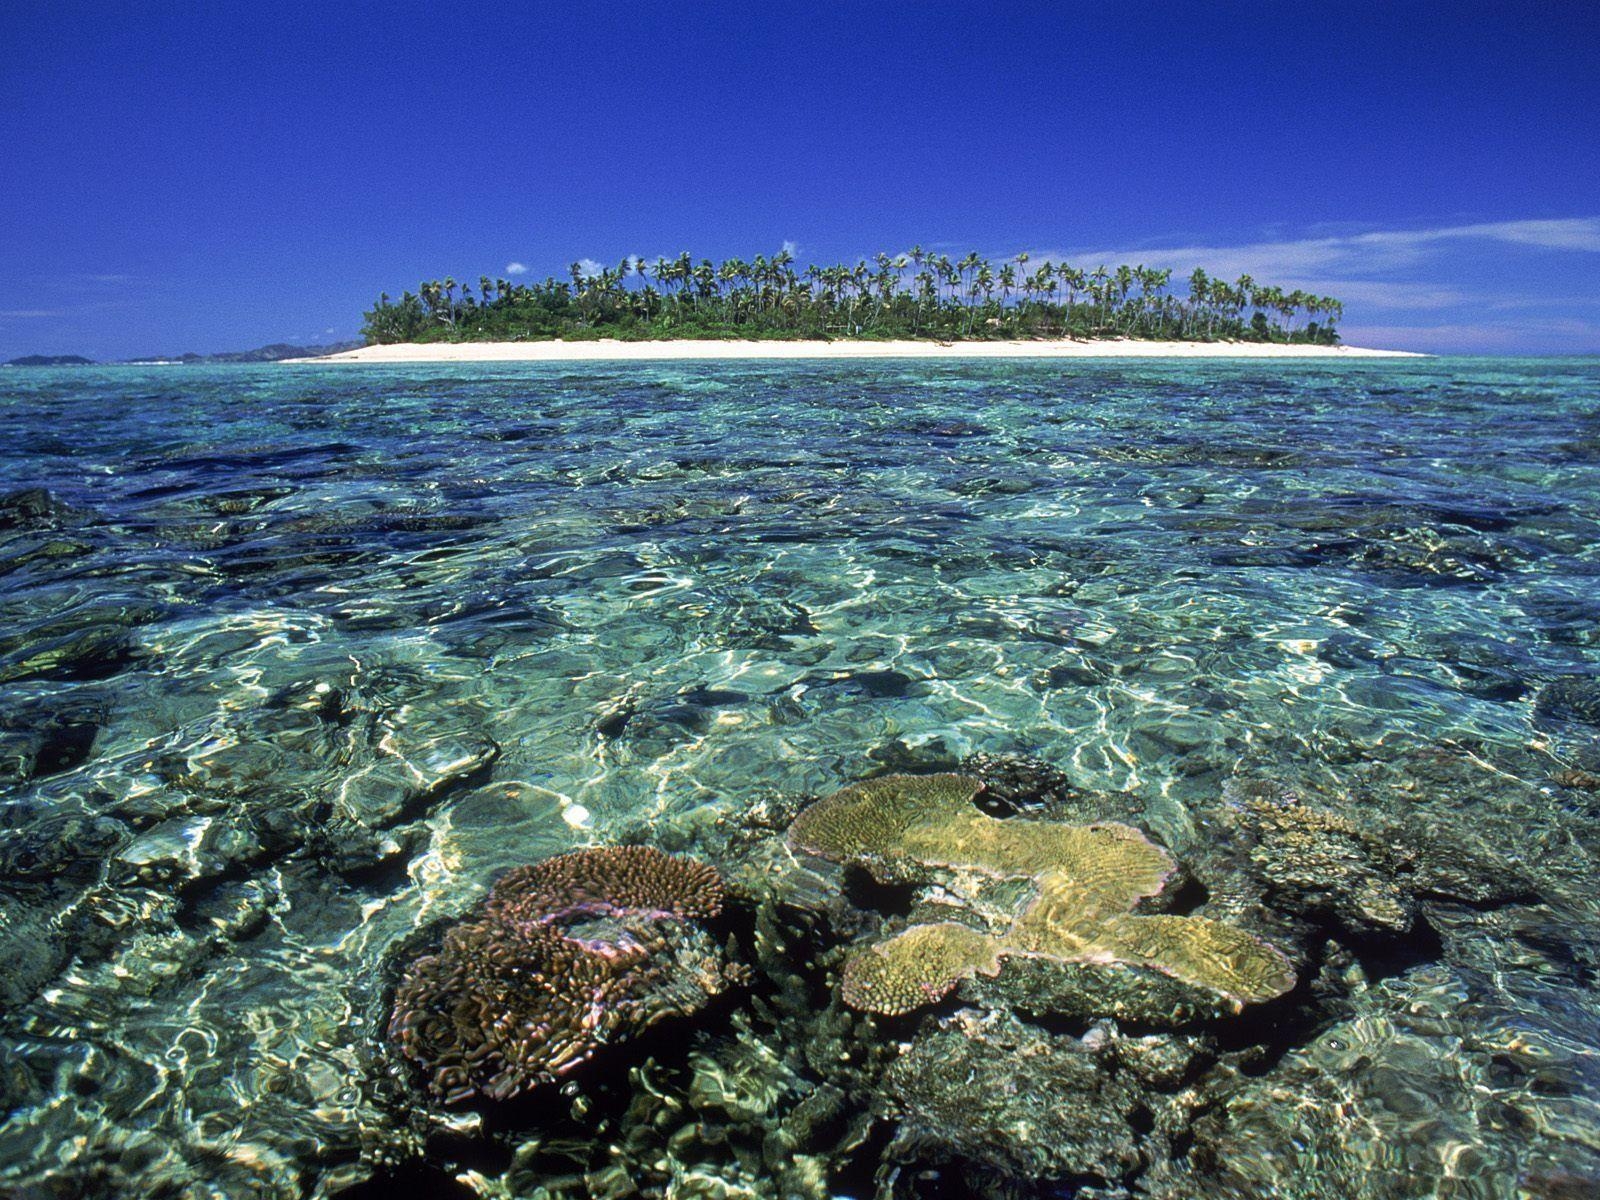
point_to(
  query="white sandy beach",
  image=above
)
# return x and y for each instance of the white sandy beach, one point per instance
(609, 350)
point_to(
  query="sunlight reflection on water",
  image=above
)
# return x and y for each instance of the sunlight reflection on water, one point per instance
(303, 657)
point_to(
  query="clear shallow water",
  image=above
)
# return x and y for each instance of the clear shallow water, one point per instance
(294, 660)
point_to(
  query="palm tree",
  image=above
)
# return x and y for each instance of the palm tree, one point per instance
(982, 285)
(683, 272)
(969, 265)
(1288, 306)
(1199, 294)
(918, 293)
(1245, 295)
(1122, 279)
(1098, 280)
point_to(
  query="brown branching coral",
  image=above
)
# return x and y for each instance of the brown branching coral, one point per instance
(566, 955)
(1086, 881)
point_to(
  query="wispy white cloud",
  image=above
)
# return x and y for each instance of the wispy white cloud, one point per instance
(28, 314)
(1559, 301)
(1369, 253)
(1574, 233)
(1484, 287)
(516, 268)
(790, 247)
(1376, 293)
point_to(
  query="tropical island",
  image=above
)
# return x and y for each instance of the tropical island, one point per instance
(911, 296)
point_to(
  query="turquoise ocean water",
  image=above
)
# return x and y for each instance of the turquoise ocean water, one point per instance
(294, 660)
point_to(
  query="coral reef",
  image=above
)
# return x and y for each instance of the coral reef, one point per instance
(612, 880)
(1456, 1078)
(1086, 881)
(1363, 876)
(918, 967)
(269, 704)
(1318, 858)
(567, 955)
(778, 1101)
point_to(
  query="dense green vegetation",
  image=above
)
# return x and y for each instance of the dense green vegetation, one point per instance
(914, 295)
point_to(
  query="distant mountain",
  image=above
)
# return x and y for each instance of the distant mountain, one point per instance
(276, 352)
(50, 360)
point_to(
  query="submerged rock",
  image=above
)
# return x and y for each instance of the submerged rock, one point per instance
(1010, 1110)
(30, 507)
(1574, 698)
(1018, 784)
(1363, 875)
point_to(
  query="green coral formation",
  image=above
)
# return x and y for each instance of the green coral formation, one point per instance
(1086, 881)
(918, 967)
(903, 828)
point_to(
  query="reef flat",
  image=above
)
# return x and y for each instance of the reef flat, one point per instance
(529, 780)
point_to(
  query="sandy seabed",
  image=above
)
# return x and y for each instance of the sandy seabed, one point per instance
(607, 349)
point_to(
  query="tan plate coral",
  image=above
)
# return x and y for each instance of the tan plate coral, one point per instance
(1086, 881)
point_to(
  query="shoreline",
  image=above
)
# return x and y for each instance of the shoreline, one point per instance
(609, 350)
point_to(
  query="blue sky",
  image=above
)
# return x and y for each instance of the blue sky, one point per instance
(216, 175)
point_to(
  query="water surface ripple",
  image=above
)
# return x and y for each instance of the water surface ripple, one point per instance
(293, 660)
